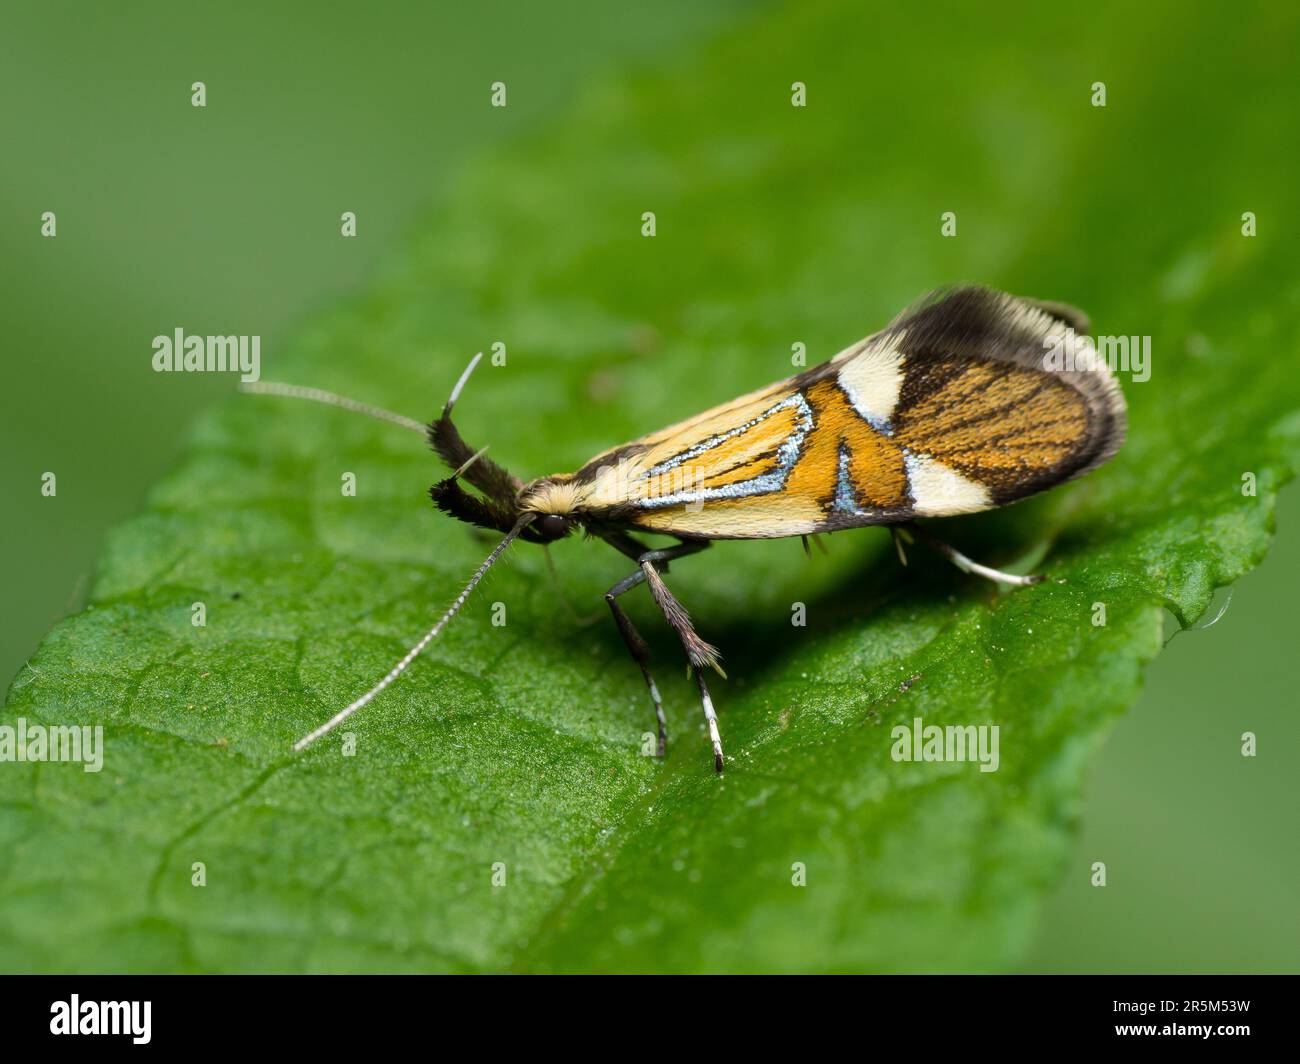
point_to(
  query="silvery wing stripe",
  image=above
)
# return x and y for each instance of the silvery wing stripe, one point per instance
(846, 499)
(801, 430)
(786, 457)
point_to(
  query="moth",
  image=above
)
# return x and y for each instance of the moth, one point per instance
(971, 399)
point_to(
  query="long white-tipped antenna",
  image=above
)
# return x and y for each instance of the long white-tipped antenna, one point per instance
(317, 395)
(460, 384)
(415, 651)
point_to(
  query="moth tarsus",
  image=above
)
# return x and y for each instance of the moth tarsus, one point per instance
(952, 409)
(966, 565)
(711, 719)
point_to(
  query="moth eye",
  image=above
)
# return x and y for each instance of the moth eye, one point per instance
(553, 526)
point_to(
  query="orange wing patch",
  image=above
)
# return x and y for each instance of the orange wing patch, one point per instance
(845, 445)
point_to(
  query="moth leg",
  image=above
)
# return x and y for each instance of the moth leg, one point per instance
(698, 652)
(711, 717)
(639, 649)
(966, 565)
(900, 537)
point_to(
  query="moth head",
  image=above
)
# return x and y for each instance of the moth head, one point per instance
(555, 501)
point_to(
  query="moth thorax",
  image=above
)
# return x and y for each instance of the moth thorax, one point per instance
(551, 495)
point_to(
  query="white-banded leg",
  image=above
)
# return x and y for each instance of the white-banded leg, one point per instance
(967, 565)
(639, 649)
(698, 652)
(711, 718)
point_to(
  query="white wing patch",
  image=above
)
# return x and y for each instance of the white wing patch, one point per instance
(872, 379)
(938, 491)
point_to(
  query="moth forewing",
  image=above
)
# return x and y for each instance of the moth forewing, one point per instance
(953, 409)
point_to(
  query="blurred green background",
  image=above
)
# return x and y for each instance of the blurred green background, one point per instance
(226, 220)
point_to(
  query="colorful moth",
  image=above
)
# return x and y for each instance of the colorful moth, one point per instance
(970, 400)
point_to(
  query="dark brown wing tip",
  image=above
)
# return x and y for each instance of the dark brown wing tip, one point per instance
(976, 322)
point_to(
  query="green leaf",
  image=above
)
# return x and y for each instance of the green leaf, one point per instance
(521, 744)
